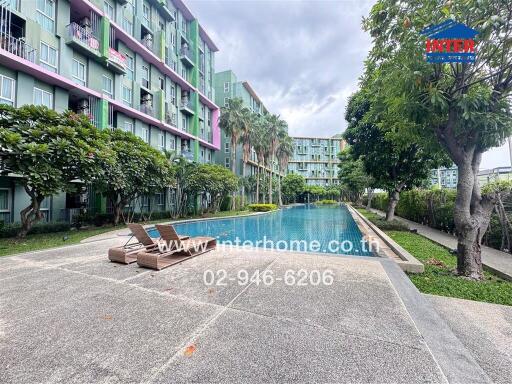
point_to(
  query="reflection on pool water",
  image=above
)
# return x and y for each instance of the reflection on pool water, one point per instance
(329, 229)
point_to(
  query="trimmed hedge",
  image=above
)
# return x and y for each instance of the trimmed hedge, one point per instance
(262, 207)
(327, 202)
(11, 230)
(434, 208)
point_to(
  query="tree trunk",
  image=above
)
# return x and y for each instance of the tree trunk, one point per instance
(472, 215)
(270, 181)
(370, 197)
(279, 194)
(258, 184)
(394, 196)
(233, 169)
(31, 214)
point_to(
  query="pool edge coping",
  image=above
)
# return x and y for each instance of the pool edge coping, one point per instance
(406, 261)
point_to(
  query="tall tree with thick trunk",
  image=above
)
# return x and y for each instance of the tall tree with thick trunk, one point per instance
(462, 106)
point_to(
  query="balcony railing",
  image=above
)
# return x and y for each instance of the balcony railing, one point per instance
(117, 58)
(84, 37)
(147, 109)
(147, 42)
(170, 118)
(187, 56)
(17, 47)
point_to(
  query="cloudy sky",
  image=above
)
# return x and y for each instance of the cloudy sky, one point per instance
(303, 58)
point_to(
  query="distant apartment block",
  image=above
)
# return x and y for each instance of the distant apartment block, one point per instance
(227, 86)
(316, 158)
(143, 66)
(445, 177)
(495, 174)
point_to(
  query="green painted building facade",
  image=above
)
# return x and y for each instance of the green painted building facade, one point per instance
(144, 66)
(316, 158)
(227, 86)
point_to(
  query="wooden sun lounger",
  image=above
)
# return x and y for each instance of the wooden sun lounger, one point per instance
(127, 253)
(179, 249)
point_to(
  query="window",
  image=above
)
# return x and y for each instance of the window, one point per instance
(226, 87)
(226, 147)
(129, 66)
(226, 101)
(128, 126)
(109, 10)
(108, 86)
(159, 199)
(5, 204)
(46, 14)
(146, 12)
(172, 144)
(209, 157)
(145, 76)
(161, 140)
(127, 25)
(226, 162)
(6, 90)
(162, 83)
(78, 72)
(48, 57)
(145, 134)
(127, 96)
(43, 98)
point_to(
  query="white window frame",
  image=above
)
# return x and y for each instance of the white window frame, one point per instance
(77, 79)
(8, 210)
(226, 147)
(227, 85)
(145, 134)
(226, 162)
(128, 102)
(130, 66)
(107, 7)
(226, 101)
(130, 124)
(172, 143)
(161, 140)
(127, 25)
(105, 91)
(4, 99)
(43, 93)
(49, 19)
(47, 64)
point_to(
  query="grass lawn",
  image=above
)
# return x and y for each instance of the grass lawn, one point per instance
(10, 246)
(439, 277)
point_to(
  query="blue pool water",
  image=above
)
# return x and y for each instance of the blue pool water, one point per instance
(328, 229)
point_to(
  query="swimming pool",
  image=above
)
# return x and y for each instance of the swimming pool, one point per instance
(327, 229)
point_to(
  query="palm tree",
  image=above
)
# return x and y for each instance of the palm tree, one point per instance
(250, 121)
(284, 152)
(259, 143)
(275, 125)
(232, 121)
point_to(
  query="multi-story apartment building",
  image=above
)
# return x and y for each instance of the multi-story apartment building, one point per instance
(227, 87)
(144, 66)
(316, 158)
(445, 177)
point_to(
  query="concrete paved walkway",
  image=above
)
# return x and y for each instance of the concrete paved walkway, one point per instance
(497, 261)
(69, 315)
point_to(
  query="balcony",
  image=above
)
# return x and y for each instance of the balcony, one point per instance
(147, 109)
(171, 119)
(18, 47)
(161, 5)
(187, 107)
(187, 57)
(83, 40)
(116, 61)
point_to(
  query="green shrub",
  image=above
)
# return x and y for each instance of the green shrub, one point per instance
(393, 225)
(262, 207)
(11, 230)
(326, 202)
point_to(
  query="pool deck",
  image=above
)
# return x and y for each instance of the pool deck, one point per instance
(69, 315)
